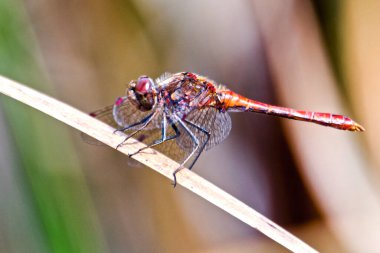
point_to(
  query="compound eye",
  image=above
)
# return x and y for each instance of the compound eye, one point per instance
(144, 85)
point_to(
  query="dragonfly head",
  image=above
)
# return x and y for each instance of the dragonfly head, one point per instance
(143, 93)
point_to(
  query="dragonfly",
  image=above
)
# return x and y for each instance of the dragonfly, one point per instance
(184, 114)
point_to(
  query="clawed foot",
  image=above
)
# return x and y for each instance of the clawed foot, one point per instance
(121, 130)
(175, 177)
(132, 154)
(122, 143)
(174, 183)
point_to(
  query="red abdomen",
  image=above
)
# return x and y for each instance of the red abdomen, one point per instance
(231, 101)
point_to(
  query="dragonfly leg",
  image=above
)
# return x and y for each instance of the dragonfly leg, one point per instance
(163, 139)
(203, 145)
(195, 139)
(145, 122)
(134, 124)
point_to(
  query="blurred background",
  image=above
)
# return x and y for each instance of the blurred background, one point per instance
(59, 194)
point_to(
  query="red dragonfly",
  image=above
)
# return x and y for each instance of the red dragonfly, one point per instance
(184, 114)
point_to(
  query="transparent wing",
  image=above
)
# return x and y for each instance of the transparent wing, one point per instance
(126, 114)
(105, 115)
(170, 148)
(217, 123)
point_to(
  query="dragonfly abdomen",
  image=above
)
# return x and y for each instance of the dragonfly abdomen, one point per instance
(231, 101)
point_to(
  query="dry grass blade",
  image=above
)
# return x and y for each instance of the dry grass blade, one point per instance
(152, 159)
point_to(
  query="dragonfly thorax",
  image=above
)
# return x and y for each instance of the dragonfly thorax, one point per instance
(142, 93)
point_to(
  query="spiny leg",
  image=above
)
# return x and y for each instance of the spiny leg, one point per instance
(203, 145)
(134, 124)
(194, 138)
(145, 122)
(163, 139)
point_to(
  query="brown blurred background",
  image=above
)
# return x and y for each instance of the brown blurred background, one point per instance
(58, 194)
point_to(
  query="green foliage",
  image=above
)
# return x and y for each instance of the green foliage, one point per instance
(54, 212)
